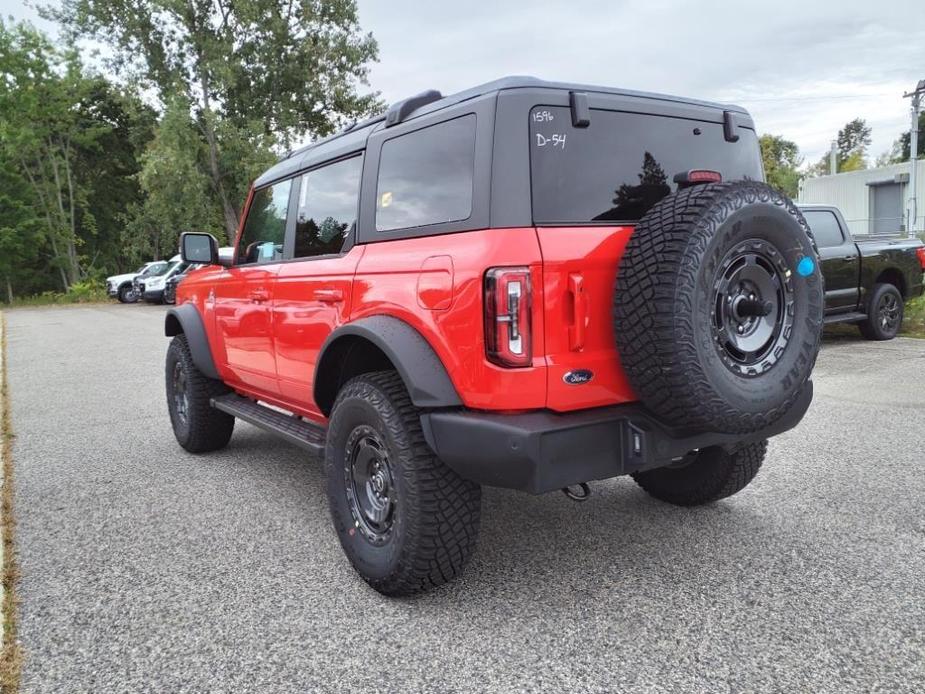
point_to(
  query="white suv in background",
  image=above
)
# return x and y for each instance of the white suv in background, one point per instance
(121, 286)
(150, 287)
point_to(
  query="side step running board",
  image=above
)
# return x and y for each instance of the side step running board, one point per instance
(289, 427)
(844, 318)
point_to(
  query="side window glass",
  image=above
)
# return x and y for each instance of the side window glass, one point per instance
(265, 227)
(825, 228)
(328, 200)
(425, 177)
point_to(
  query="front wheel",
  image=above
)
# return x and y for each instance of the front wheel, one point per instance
(884, 314)
(127, 294)
(198, 426)
(704, 476)
(406, 521)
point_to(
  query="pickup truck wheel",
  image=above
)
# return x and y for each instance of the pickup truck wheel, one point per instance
(198, 426)
(127, 294)
(884, 313)
(718, 307)
(704, 476)
(406, 521)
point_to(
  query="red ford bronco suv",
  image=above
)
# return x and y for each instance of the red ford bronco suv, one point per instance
(527, 285)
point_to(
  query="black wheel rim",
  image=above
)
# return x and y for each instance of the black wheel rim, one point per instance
(752, 307)
(888, 313)
(180, 393)
(370, 485)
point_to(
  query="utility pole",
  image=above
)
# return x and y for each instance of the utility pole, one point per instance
(916, 97)
(833, 158)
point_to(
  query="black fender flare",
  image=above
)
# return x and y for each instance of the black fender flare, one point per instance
(186, 319)
(417, 363)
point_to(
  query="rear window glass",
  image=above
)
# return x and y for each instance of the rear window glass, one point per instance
(824, 227)
(623, 163)
(425, 177)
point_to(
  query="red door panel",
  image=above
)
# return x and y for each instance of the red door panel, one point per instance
(312, 299)
(242, 300)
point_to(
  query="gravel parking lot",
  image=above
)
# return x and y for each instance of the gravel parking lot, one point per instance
(148, 569)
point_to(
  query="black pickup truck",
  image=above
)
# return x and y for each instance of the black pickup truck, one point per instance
(866, 282)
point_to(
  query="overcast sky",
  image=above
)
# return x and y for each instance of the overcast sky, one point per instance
(802, 68)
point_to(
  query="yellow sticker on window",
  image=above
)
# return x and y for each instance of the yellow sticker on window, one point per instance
(385, 200)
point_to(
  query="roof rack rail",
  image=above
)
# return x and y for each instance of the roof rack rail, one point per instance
(357, 124)
(402, 109)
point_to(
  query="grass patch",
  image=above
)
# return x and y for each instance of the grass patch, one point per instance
(914, 320)
(11, 653)
(89, 292)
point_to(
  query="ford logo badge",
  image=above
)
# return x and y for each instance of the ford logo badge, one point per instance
(578, 376)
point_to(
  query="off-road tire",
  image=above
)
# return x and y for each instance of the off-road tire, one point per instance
(204, 428)
(435, 524)
(127, 295)
(878, 326)
(712, 474)
(665, 307)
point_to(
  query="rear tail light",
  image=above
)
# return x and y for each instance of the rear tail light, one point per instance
(508, 328)
(920, 252)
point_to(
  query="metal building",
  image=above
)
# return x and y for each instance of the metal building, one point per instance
(873, 201)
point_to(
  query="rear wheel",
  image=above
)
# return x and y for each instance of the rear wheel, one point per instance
(406, 521)
(884, 313)
(198, 426)
(704, 476)
(127, 294)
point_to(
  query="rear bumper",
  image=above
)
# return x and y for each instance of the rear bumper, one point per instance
(538, 452)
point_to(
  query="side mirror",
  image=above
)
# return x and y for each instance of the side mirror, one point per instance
(196, 247)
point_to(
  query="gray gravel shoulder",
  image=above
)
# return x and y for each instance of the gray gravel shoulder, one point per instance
(148, 569)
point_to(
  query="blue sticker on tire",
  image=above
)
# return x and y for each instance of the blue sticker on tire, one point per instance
(806, 266)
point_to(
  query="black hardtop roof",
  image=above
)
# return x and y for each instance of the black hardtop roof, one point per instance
(356, 134)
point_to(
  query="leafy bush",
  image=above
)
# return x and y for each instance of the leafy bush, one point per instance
(88, 291)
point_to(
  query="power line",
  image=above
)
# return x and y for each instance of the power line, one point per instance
(810, 98)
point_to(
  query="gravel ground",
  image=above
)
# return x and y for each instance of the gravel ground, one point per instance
(148, 569)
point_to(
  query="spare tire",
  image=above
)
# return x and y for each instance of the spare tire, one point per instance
(718, 308)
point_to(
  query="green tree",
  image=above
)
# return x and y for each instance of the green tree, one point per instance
(20, 227)
(781, 159)
(249, 70)
(852, 143)
(71, 140)
(44, 126)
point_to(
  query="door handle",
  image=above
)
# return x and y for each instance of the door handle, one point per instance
(258, 296)
(849, 257)
(329, 295)
(576, 331)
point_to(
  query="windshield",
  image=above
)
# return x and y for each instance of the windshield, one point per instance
(155, 269)
(161, 269)
(623, 163)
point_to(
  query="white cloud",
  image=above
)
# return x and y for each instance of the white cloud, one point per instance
(802, 68)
